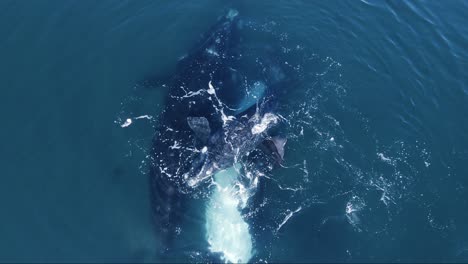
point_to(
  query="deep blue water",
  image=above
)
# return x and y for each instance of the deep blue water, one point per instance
(380, 168)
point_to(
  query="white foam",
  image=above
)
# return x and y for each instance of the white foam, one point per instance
(127, 123)
(267, 119)
(353, 207)
(383, 158)
(144, 117)
(227, 232)
(211, 89)
(204, 149)
(287, 217)
(212, 51)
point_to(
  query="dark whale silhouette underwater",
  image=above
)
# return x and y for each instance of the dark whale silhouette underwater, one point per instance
(218, 133)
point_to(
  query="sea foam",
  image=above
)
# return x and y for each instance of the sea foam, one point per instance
(227, 232)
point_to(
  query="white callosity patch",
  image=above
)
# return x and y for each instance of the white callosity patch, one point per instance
(227, 232)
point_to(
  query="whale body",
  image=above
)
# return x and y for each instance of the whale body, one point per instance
(220, 109)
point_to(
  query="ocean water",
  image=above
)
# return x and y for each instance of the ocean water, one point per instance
(376, 160)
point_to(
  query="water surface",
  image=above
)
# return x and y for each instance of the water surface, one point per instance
(383, 151)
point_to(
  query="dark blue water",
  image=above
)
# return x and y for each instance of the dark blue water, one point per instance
(378, 163)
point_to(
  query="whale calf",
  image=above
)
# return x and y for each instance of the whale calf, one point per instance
(216, 129)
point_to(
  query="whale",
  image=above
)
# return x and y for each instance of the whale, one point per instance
(219, 127)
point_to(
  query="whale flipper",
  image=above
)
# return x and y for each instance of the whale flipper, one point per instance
(275, 146)
(279, 143)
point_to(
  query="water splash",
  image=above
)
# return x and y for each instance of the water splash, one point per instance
(227, 231)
